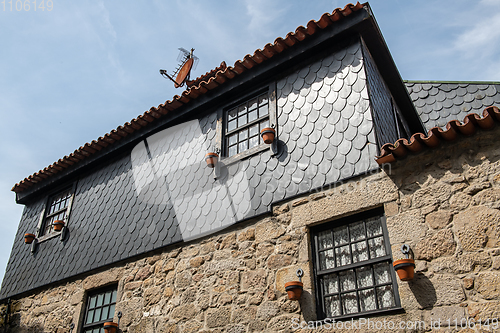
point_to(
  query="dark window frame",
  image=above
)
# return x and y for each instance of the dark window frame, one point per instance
(95, 293)
(222, 135)
(387, 258)
(45, 216)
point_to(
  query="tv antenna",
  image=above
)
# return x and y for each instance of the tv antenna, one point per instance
(187, 62)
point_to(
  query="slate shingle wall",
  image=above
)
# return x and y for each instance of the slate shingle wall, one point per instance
(439, 102)
(381, 102)
(162, 192)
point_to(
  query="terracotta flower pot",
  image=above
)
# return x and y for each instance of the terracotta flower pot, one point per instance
(294, 289)
(268, 135)
(28, 238)
(110, 327)
(58, 225)
(405, 268)
(211, 159)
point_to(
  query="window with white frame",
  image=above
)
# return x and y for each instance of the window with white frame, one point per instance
(58, 207)
(353, 266)
(242, 122)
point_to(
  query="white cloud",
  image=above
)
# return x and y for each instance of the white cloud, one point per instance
(264, 15)
(483, 37)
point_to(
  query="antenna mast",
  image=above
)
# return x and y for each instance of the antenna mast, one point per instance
(183, 70)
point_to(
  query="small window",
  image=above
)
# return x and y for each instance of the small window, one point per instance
(244, 123)
(100, 309)
(353, 267)
(239, 125)
(57, 209)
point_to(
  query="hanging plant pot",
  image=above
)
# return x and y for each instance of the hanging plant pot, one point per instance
(294, 289)
(211, 159)
(405, 269)
(268, 135)
(28, 238)
(58, 225)
(110, 327)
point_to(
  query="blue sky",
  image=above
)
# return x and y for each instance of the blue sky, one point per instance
(72, 74)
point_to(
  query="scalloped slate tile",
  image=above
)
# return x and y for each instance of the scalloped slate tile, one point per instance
(449, 101)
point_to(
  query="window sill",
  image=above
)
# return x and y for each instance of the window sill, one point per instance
(53, 234)
(245, 154)
(367, 314)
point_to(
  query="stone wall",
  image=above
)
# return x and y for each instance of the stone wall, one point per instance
(444, 203)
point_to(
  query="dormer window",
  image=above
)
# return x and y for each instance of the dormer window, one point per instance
(58, 207)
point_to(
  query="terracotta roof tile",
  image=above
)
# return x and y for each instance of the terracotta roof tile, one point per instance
(419, 141)
(210, 80)
(207, 75)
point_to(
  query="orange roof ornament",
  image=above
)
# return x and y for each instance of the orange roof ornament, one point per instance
(187, 62)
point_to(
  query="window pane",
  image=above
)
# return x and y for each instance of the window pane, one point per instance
(377, 247)
(346, 279)
(232, 114)
(232, 151)
(373, 227)
(349, 303)
(113, 298)
(231, 125)
(340, 235)
(252, 104)
(242, 109)
(100, 298)
(367, 300)
(97, 315)
(385, 297)
(263, 111)
(104, 314)
(242, 120)
(325, 239)
(242, 135)
(343, 255)
(365, 277)
(92, 302)
(359, 251)
(111, 313)
(382, 273)
(254, 130)
(90, 316)
(232, 139)
(357, 231)
(326, 260)
(252, 115)
(253, 142)
(332, 306)
(243, 146)
(330, 284)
